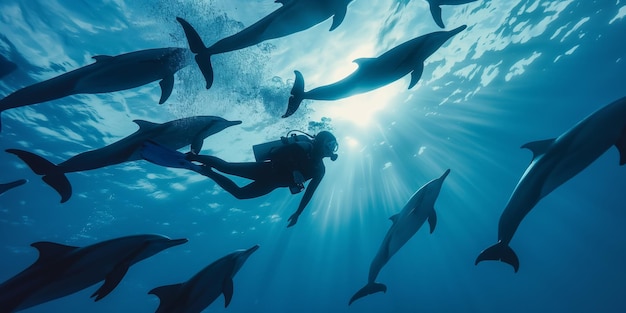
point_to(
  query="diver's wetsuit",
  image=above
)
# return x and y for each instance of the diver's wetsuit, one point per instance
(268, 175)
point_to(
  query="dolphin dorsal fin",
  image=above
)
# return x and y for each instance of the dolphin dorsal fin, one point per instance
(50, 250)
(227, 290)
(167, 294)
(101, 57)
(416, 74)
(145, 125)
(363, 62)
(621, 147)
(539, 147)
(394, 218)
(340, 14)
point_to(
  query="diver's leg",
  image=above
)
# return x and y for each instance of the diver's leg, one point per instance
(249, 170)
(252, 190)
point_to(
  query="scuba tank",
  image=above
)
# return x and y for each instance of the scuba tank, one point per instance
(262, 152)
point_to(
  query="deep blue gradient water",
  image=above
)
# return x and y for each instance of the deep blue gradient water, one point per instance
(522, 71)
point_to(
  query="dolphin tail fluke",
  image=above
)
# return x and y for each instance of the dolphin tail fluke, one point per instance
(52, 175)
(297, 95)
(203, 57)
(369, 289)
(500, 252)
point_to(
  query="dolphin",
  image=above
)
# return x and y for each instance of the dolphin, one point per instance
(107, 74)
(62, 270)
(554, 162)
(435, 9)
(6, 187)
(173, 135)
(373, 73)
(206, 286)
(419, 208)
(292, 17)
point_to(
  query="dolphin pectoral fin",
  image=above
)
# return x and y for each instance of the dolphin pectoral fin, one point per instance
(167, 295)
(227, 289)
(111, 281)
(621, 146)
(167, 84)
(538, 147)
(499, 252)
(416, 75)
(297, 95)
(435, 11)
(338, 18)
(52, 175)
(196, 144)
(369, 289)
(114, 277)
(432, 220)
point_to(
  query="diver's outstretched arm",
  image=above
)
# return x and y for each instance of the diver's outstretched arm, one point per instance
(308, 194)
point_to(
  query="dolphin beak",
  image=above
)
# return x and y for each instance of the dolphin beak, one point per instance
(251, 250)
(176, 242)
(232, 123)
(445, 174)
(457, 30)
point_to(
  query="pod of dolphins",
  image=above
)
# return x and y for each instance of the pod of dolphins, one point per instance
(62, 270)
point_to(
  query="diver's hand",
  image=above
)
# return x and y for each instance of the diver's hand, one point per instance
(293, 219)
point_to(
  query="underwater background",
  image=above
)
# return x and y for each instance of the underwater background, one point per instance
(522, 71)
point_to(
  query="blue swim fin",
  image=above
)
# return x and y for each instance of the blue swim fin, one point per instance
(160, 155)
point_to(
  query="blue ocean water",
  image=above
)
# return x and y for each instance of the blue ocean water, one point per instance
(521, 71)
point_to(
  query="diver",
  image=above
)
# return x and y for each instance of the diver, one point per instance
(288, 162)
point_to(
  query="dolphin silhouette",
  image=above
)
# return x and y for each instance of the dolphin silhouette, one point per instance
(62, 270)
(173, 135)
(6, 187)
(435, 9)
(108, 74)
(419, 208)
(373, 73)
(203, 288)
(554, 162)
(292, 17)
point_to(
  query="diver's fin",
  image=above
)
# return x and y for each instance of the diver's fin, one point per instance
(499, 252)
(52, 175)
(203, 58)
(297, 95)
(369, 289)
(167, 84)
(160, 155)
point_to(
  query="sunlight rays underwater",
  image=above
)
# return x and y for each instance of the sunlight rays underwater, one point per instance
(521, 71)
